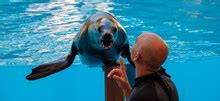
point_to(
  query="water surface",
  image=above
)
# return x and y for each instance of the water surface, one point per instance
(35, 32)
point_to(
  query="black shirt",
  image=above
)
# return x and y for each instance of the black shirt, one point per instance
(153, 87)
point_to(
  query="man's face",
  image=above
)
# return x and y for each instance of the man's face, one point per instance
(135, 48)
(133, 51)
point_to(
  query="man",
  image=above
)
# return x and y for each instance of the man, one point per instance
(152, 83)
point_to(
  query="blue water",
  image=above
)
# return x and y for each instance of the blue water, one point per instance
(33, 32)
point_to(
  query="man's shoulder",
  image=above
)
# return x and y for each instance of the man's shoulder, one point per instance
(170, 86)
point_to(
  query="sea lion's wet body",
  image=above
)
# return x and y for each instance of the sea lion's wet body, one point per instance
(100, 41)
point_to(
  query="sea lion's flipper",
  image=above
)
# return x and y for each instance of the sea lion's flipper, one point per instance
(126, 53)
(53, 67)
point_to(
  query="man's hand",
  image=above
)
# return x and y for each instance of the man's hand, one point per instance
(119, 75)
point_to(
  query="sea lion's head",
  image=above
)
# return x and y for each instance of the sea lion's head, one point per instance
(108, 32)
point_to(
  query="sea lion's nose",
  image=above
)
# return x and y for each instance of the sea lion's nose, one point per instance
(107, 36)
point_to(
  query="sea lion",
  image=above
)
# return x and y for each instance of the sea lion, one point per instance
(100, 41)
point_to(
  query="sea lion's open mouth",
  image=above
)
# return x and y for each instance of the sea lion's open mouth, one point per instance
(107, 44)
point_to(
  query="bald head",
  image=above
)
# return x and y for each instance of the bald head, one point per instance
(150, 51)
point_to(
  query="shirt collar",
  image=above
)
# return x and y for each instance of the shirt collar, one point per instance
(145, 78)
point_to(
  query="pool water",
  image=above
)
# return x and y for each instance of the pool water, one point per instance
(33, 32)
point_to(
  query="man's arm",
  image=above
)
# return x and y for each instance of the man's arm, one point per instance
(119, 75)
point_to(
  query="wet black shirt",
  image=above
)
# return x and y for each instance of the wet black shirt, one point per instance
(154, 87)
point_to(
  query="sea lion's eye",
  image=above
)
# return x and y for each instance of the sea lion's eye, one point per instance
(114, 29)
(100, 28)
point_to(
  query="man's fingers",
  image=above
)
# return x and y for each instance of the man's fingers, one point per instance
(122, 65)
(118, 72)
(114, 72)
(117, 78)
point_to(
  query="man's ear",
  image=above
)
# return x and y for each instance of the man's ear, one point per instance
(136, 56)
